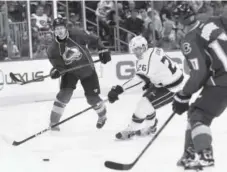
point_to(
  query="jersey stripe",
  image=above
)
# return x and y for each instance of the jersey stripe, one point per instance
(177, 82)
(165, 99)
(219, 53)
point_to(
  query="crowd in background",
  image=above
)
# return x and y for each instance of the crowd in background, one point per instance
(104, 18)
(154, 21)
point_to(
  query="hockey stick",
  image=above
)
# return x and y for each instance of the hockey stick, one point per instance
(120, 166)
(22, 82)
(17, 143)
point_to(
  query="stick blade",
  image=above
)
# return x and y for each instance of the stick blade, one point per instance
(118, 166)
(15, 143)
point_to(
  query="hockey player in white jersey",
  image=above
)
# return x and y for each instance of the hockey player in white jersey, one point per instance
(159, 77)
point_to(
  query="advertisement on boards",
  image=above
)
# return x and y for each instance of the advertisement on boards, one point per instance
(119, 70)
(26, 70)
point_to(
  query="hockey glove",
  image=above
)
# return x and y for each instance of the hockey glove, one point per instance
(54, 73)
(114, 93)
(181, 103)
(104, 56)
(147, 86)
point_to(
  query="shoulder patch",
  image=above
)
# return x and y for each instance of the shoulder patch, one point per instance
(208, 29)
(186, 48)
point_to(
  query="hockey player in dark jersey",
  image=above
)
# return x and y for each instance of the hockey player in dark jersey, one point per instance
(69, 50)
(204, 47)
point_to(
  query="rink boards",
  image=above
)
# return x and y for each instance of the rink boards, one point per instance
(120, 69)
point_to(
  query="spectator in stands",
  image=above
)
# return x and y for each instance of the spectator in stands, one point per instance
(148, 28)
(131, 5)
(89, 13)
(47, 6)
(134, 25)
(217, 7)
(203, 9)
(156, 22)
(3, 49)
(42, 20)
(13, 51)
(25, 45)
(35, 35)
(224, 9)
(16, 11)
(168, 31)
(152, 26)
(75, 19)
(43, 42)
(105, 13)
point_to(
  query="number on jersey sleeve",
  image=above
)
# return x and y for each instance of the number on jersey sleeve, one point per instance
(142, 68)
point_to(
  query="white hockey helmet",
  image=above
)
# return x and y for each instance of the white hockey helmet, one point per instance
(138, 45)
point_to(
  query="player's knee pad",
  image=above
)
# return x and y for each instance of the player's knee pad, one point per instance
(65, 95)
(197, 115)
(144, 108)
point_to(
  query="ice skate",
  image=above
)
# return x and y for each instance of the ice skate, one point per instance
(101, 121)
(202, 159)
(148, 130)
(128, 133)
(125, 134)
(189, 155)
(206, 158)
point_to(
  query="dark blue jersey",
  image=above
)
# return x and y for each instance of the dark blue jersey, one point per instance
(205, 49)
(73, 52)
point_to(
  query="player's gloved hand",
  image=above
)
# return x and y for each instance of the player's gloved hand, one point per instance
(114, 93)
(104, 56)
(181, 102)
(147, 86)
(54, 73)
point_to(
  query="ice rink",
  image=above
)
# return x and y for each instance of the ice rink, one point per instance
(80, 147)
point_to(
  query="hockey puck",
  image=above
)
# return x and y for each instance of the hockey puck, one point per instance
(46, 159)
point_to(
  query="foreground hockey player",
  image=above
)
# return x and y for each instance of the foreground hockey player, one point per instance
(162, 78)
(69, 50)
(204, 47)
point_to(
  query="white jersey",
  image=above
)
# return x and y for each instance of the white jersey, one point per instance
(155, 66)
(41, 21)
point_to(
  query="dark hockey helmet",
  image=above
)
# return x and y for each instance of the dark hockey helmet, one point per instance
(59, 22)
(184, 13)
(60, 32)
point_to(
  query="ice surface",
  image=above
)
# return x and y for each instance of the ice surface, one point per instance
(80, 147)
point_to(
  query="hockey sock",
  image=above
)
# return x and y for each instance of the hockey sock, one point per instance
(100, 109)
(144, 107)
(150, 120)
(57, 111)
(201, 136)
(135, 123)
(188, 138)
